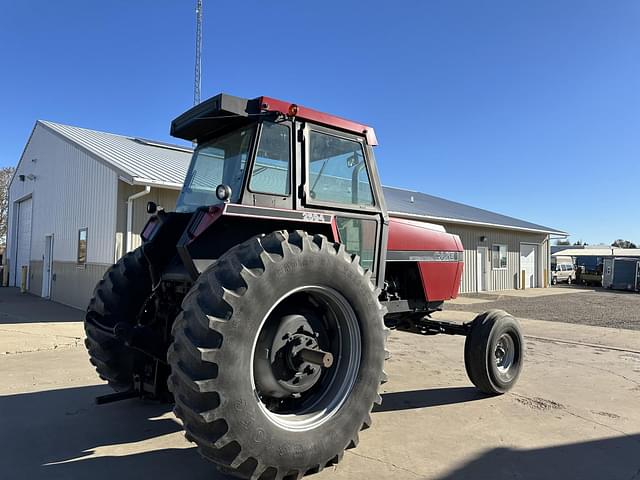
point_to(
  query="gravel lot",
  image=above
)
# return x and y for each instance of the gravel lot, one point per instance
(586, 306)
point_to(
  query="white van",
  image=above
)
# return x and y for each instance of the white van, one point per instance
(562, 270)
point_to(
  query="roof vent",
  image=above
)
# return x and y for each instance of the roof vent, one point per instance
(412, 199)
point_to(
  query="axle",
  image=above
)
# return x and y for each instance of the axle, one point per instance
(428, 326)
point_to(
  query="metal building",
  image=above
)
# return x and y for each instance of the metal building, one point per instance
(77, 202)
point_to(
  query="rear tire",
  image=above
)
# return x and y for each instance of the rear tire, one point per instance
(118, 297)
(218, 356)
(493, 352)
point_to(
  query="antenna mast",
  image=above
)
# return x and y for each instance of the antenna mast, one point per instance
(196, 88)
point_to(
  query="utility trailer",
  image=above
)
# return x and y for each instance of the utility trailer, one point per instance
(261, 306)
(621, 273)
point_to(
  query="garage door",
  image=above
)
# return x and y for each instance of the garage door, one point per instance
(528, 263)
(23, 253)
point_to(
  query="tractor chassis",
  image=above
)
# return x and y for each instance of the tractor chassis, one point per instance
(429, 326)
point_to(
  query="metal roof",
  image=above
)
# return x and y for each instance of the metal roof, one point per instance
(149, 162)
(598, 252)
(138, 161)
(421, 205)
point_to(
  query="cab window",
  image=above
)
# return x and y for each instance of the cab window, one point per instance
(271, 168)
(358, 236)
(337, 171)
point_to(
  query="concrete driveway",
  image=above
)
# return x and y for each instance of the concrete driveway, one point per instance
(574, 414)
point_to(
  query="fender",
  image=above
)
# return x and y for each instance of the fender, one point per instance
(214, 230)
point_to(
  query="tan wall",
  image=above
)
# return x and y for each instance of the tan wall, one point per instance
(498, 279)
(163, 197)
(35, 277)
(73, 285)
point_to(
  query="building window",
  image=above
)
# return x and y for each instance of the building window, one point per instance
(82, 246)
(499, 257)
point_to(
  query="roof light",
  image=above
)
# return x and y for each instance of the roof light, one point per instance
(293, 110)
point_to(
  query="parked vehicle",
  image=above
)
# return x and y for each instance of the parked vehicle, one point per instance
(261, 306)
(562, 270)
(589, 270)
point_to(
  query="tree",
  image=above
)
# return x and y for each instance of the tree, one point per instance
(620, 243)
(563, 242)
(5, 177)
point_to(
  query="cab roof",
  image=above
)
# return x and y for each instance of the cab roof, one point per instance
(204, 118)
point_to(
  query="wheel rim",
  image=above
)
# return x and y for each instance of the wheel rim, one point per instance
(506, 357)
(300, 390)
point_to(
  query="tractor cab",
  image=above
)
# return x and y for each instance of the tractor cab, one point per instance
(271, 160)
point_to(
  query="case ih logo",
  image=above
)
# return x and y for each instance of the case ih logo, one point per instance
(445, 256)
(435, 257)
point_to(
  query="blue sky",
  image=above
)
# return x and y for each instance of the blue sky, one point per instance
(528, 108)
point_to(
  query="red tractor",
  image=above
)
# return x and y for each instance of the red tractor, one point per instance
(261, 305)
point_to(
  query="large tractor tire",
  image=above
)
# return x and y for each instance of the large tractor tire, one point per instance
(118, 297)
(278, 356)
(494, 351)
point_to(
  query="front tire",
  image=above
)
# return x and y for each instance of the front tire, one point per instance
(242, 390)
(493, 352)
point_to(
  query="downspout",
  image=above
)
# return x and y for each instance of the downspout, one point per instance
(130, 200)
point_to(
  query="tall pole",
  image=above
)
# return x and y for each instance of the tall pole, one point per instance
(196, 88)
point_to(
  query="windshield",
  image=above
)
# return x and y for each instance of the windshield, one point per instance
(221, 160)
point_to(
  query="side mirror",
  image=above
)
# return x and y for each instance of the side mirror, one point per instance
(152, 208)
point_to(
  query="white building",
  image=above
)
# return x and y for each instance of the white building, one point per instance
(78, 200)
(76, 197)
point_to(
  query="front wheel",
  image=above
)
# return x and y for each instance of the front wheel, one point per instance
(493, 352)
(278, 356)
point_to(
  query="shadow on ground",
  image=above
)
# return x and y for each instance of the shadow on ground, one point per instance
(16, 307)
(53, 435)
(616, 458)
(432, 397)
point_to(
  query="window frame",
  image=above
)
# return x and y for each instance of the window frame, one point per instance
(309, 130)
(506, 256)
(254, 159)
(86, 247)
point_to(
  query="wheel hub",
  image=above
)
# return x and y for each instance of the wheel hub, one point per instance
(504, 353)
(305, 363)
(294, 360)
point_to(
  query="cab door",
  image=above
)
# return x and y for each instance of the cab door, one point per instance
(339, 177)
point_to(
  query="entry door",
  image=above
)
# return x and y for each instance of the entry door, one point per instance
(23, 243)
(528, 263)
(482, 269)
(47, 266)
(338, 176)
